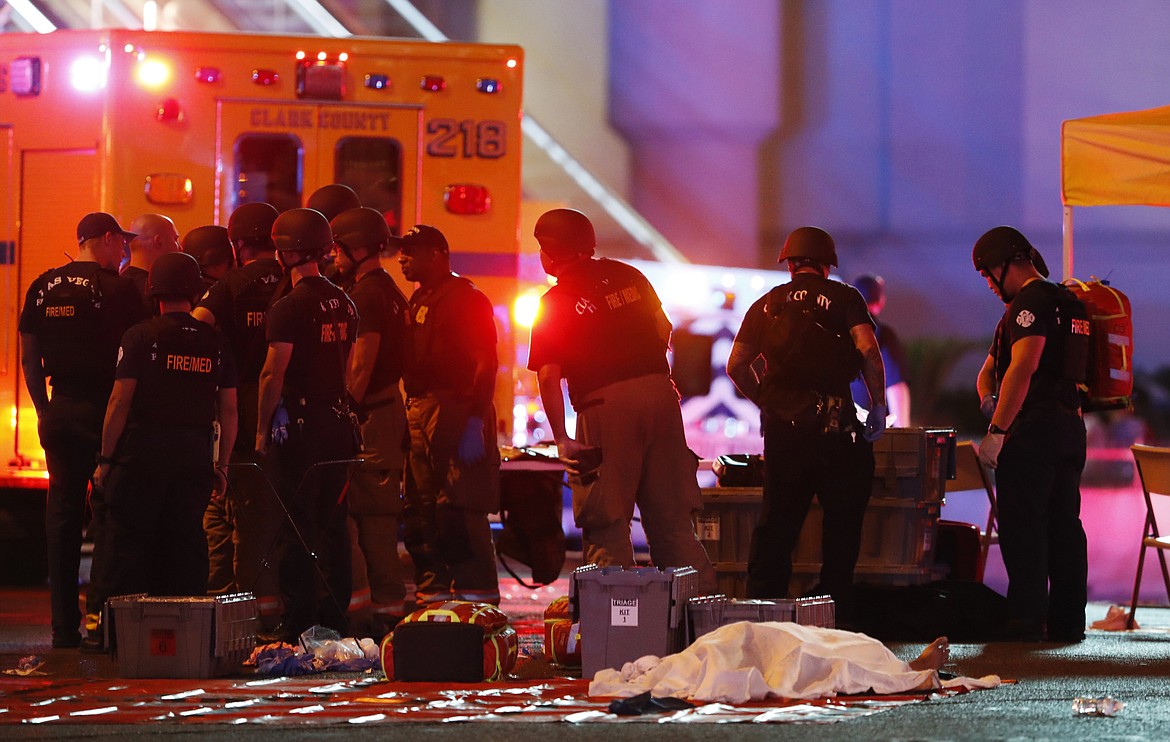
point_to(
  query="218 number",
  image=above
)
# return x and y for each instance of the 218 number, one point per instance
(467, 138)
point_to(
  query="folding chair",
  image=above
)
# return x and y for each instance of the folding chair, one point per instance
(1153, 466)
(971, 475)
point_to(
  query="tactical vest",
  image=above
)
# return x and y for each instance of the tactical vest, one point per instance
(250, 302)
(317, 369)
(179, 386)
(614, 327)
(70, 308)
(801, 351)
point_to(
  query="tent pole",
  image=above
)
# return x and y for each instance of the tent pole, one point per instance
(1067, 234)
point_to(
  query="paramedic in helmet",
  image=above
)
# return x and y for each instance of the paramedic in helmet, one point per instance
(304, 416)
(242, 527)
(601, 328)
(815, 336)
(360, 237)
(331, 200)
(212, 247)
(175, 377)
(1036, 440)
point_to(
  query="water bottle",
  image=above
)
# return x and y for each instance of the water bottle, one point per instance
(1096, 706)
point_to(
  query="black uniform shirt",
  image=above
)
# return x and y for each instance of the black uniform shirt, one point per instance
(179, 364)
(451, 326)
(600, 324)
(78, 313)
(139, 276)
(1035, 312)
(321, 323)
(837, 306)
(240, 302)
(382, 309)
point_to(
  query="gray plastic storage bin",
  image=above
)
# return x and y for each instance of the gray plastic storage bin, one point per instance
(709, 612)
(628, 613)
(159, 637)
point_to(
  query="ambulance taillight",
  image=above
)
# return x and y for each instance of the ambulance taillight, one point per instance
(467, 199)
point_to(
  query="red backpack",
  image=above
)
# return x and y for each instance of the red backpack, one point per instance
(1109, 384)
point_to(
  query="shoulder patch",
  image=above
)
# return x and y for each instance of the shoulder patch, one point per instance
(1025, 318)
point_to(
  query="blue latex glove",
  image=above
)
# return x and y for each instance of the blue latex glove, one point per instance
(987, 405)
(471, 449)
(875, 424)
(279, 432)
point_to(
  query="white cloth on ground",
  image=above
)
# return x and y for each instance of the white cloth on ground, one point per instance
(753, 661)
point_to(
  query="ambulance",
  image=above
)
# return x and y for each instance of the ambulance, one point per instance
(193, 125)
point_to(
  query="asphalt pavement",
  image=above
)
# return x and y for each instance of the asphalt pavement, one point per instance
(1131, 666)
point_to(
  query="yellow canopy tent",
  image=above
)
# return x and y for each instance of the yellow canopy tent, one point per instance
(1114, 159)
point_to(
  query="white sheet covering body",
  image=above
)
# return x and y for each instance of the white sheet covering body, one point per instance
(753, 661)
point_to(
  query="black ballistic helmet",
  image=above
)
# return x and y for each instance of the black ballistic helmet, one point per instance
(360, 227)
(565, 233)
(1002, 245)
(333, 199)
(811, 243)
(175, 274)
(252, 221)
(304, 231)
(209, 245)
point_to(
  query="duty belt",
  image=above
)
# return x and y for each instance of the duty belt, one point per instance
(87, 389)
(369, 406)
(301, 400)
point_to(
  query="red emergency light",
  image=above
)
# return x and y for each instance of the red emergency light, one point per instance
(265, 77)
(208, 75)
(433, 84)
(169, 110)
(467, 199)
